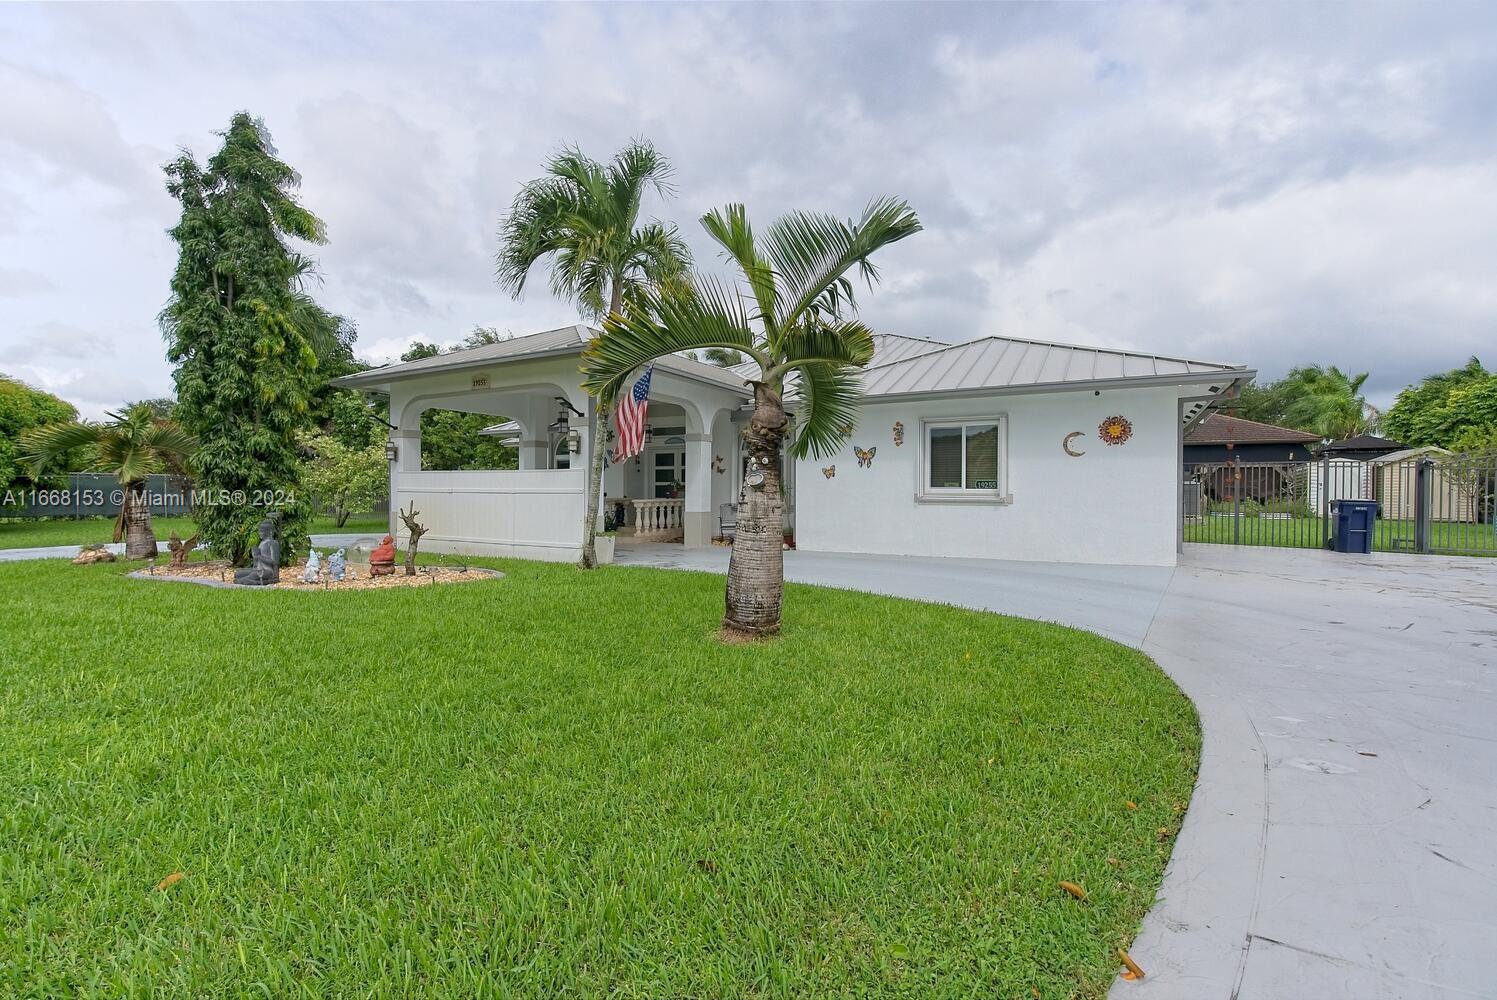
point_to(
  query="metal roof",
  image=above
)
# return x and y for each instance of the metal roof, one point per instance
(1005, 363)
(561, 341)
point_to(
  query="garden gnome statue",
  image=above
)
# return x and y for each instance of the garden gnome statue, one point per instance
(314, 568)
(335, 566)
(265, 561)
(382, 559)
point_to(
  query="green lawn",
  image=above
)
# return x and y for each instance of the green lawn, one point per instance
(18, 534)
(561, 784)
(1309, 533)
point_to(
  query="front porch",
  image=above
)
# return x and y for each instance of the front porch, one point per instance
(671, 491)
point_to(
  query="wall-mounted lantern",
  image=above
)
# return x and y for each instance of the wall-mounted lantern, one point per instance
(392, 451)
(574, 442)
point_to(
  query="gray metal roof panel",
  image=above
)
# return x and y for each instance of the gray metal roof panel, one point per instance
(1005, 362)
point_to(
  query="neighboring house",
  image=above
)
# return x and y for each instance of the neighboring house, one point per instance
(1218, 437)
(1359, 448)
(989, 449)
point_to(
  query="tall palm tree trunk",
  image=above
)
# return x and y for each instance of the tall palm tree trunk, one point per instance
(140, 540)
(756, 569)
(589, 558)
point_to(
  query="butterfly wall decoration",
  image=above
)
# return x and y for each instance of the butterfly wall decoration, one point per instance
(898, 433)
(830, 471)
(865, 457)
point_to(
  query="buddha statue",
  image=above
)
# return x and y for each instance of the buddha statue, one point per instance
(382, 559)
(265, 560)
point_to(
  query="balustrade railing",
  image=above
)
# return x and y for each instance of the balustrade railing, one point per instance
(659, 520)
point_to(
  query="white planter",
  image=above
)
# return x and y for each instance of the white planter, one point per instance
(603, 546)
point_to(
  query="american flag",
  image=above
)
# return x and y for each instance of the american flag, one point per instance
(630, 417)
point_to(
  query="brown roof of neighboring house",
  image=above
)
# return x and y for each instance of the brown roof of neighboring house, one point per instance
(1218, 428)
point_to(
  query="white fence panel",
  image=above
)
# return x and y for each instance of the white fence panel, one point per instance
(532, 514)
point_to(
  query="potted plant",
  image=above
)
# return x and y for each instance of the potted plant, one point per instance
(603, 546)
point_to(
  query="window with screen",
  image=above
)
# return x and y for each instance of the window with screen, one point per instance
(964, 458)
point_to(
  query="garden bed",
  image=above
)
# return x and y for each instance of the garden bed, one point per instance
(221, 574)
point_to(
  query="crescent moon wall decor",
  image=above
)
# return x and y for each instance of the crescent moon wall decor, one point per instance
(1065, 444)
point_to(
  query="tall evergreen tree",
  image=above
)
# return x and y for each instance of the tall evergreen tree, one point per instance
(244, 335)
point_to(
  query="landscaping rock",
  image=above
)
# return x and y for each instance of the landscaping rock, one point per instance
(93, 554)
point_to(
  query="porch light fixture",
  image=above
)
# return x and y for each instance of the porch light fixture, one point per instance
(574, 442)
(392, 451)
(562, 424)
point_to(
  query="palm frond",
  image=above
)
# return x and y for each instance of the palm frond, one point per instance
(683, 318)
(813, 253)
(829, 395)
(635, 168)
(837, 342)
(41, 446)
(730, 228)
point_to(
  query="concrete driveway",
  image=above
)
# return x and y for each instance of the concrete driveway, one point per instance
(1341, 843)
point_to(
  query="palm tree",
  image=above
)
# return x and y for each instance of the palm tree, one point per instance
(133, 444)
(584, 216)
(1327, 401)
(796, 324)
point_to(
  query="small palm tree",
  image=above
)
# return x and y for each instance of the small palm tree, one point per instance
(797, 327)
(584, 216)
(132, 445)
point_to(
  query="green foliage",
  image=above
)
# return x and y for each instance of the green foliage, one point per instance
(583, 217)
(450, 439)
(798, 275)
(23, 408)
(244, 335)
(1320, 399)
(497, 790)
(130, 445)
(343, 480)
(1475, 440)
(721, 356)
(1445, 408)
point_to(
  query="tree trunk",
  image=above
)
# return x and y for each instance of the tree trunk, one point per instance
(140, 540)
(756, 569)
(594, 482)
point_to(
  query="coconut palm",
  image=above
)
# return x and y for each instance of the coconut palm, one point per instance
(132, 445)
(796, 323)
(584, 217)
(1327, 401)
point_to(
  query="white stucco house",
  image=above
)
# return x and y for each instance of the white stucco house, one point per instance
(992, 448)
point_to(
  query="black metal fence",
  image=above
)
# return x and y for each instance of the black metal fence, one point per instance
(97, 494)
(1433, 502)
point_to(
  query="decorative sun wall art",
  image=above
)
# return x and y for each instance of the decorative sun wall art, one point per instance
(1115, 430)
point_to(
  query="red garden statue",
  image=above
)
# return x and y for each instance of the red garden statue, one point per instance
(382, 558)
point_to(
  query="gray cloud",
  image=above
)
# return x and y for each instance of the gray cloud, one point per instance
(1272, 185)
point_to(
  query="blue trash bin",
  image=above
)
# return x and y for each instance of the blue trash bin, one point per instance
(1354, 522)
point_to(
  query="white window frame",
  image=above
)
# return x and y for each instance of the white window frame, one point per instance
(925, 493)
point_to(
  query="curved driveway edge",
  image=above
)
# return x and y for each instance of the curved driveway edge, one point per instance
(1341, 842)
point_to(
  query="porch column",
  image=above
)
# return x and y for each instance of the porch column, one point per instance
(407, 441)
(699, 521)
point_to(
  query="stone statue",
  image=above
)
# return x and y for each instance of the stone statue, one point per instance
(382, 559)
(265, 561)
(336, 566)
(313, 569)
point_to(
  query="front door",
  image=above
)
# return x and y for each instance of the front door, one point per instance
(668, 473)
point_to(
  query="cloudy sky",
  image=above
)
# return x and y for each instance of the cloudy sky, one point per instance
(1270, 184)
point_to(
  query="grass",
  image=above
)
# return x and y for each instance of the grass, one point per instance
(21, 534)
(560, 784)
(1309, 533)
